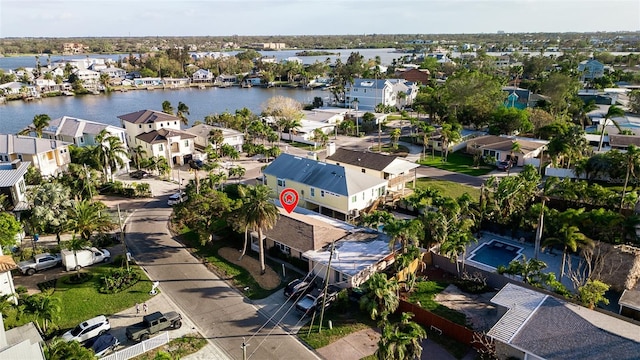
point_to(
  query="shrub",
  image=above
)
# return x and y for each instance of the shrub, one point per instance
(473, 283)
(118, 280)
(78, 278)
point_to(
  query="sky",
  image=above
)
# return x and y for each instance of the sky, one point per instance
(99, 18)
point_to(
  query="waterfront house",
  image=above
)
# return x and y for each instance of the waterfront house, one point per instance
(147, 81)
(114, 72)
(325, 188)
(202, 76)
(202, 134)
(12, 184)
(18, 88)
(159, 134)
(371, 92)
(394, 169)
(590, 69)
(82, 133)
(90, 79)
(51, 157)
(535, 325)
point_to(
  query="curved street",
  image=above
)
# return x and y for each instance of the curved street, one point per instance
(222, 315)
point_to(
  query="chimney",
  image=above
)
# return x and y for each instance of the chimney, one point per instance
(331, 148)
(15, 164)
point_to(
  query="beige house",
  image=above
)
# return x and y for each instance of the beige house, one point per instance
(325, 188)
(231, 137)
(159, 134)
(499, 148)
(51, 157)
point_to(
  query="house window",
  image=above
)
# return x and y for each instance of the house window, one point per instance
(186, 143)
(284, 248)
(321, 193)
(161, 125)
(354, 198)
(50, 155)
(149, 126)
(82, 140)
(363, 170)
(19, 157)
(139, 126)
(175, 123)
(161, 147)
(313, 192)
(281, 182)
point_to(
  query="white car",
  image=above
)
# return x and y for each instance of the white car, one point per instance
(88, 329)
(177, 198)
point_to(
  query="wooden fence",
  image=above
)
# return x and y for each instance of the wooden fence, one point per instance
(438, 324)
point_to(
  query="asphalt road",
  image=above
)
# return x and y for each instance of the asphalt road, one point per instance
(223, 315)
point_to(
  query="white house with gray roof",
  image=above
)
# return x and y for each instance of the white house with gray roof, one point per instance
(12, 184)
(231, 137)
(371, 92)
(534, 325)
(51, 157)
(325, 188)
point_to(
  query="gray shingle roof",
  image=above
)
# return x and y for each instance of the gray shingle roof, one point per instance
(147, 116)
(158, 136)
(16, 144)
(73, 127)
(321, 175)
(361, 158)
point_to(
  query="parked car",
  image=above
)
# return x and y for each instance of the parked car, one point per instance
(102, 344)
(139, 174)
(88, 330)
(298, 287)
(39, 262)
(314, 300)
(503, 165)
(177, 198)
(152, 324)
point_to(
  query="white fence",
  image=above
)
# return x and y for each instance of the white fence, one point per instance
(139, 348)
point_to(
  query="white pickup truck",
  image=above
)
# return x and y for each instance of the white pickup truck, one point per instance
(39, 262)
(313, 301)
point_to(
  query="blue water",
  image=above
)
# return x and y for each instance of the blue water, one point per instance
(494, 256)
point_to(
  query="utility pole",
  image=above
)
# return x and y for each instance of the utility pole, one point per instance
(244, 349)
(326, 285)
(126, 252)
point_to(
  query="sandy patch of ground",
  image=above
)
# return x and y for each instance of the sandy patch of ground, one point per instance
(479, 311)
(269, 280)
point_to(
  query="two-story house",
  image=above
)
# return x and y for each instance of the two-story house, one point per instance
(51, 157)
(590, 69)
(391, 168)
(90, 79)
(114, 72)
(326, 188)
(203, 131)
(82, 133)
(12, 184)
(371, 92)
(202, 76)
(159, 134)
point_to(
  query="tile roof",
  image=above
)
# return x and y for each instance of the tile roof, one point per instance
(147, 116)
(321, 175)
(160, 136)
(7, 263)
(17, 144)
(10, 176)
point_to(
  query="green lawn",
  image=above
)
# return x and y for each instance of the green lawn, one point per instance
(448, 188)
(83, 301)
(456, 162)
(425, 292)
(345, 318)
(240, 277)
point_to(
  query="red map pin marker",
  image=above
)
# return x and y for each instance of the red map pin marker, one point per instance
(289, 199)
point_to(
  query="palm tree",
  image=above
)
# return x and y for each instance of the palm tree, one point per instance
(261, 214)
(382, 296)
(449, 133)
(182, 110)
(549, 185)
(570, 238)
(109, 152)
(58, 349)
(86, 217)
(395, 137)
(404, 232)
(40, 122)
(216, 137)
(401, 340)
(167, 108)
(138, 153)
(632, 160)
(44, 307)
(427, 132)
(292, 125)
(515, 148)
(76, 244)
(613, 112)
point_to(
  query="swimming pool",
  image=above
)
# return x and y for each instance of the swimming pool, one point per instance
(495, 253)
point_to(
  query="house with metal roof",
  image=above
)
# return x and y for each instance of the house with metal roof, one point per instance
(533, 325)
(326, 188)
(371, 92)
(499, 148)
(159, 134)
(22, 342)
(202, 132)
(12, 184)
(80, 132)
(394, 169)
(51, 157)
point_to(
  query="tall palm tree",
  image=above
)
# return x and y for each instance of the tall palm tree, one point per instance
(404, 232)
(570, 238)
(427, 132)
(382, 296)
(87, 217)
(515, 148)
(632, 161)
(401, 340)
(76, 244)
(395, 137)
(613, 112)
(167, 108)
(109, 152)
(183, 110)
(138, 152)
(58, 349)
(449, 133)
(40, 122)
(261, 214)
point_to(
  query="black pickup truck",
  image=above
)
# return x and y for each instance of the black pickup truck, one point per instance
(152, 324)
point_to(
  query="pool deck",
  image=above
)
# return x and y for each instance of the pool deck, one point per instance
(553, 261)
